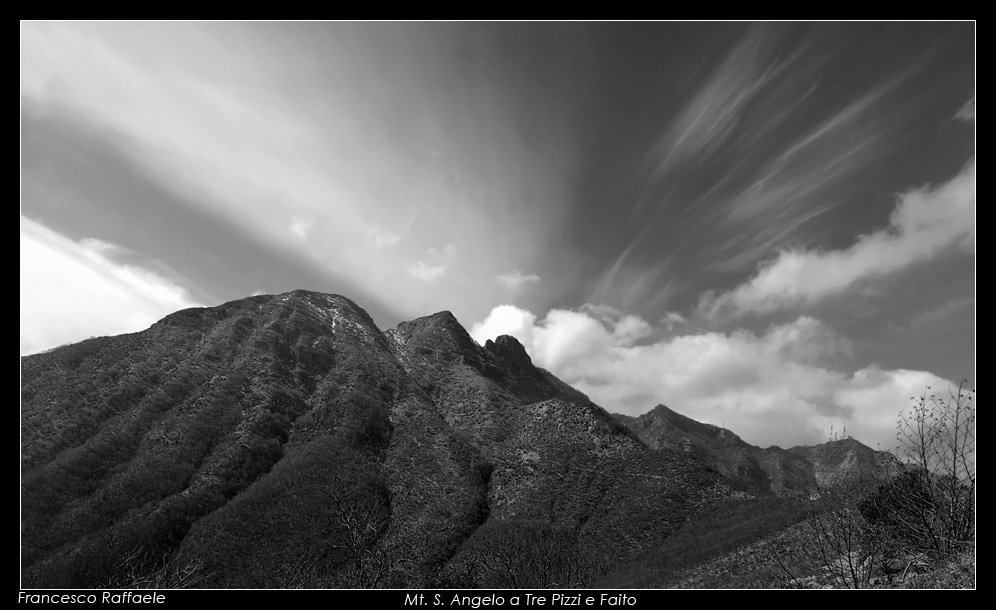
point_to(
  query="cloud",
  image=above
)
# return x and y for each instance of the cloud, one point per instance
(383, 238)
(762, 205)
(872, 387)
(301, 226)
(516, 279)
(796, 186)
(506, 320)
(710, 117)
(631, 284)
(280, 140)
(101, 247)
(760, 151)
(73, 290)
(772, 388)
(925, 222)
(672, 319)
(426, 273)
(440, 261)
(967, 112)
(630, 329)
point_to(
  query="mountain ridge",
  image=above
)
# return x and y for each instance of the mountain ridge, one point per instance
(284, 440)
(798, 470)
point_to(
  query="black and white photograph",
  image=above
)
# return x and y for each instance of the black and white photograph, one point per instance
(496, 312)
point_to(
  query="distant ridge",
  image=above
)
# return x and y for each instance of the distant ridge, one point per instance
(795, 471)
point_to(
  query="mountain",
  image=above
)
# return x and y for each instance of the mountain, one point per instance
(799, 470)
(285, 441)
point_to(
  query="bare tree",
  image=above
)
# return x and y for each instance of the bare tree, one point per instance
(836, 546)
(140, 568)
(358, 531)
(534, 555)
(925, 511)
(931, 504)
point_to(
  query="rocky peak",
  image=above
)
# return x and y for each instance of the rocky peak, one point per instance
(508, 349)
(440, 334)
(330, 303)
(664, 427)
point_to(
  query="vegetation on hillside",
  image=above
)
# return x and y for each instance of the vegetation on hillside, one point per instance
(910, 527)
(720, 533)
(283, 441)
(915, 521)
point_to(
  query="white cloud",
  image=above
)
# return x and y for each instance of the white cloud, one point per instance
(630, 329)
(516, 279)
(967, 112)
(871, 387)
(774, 388)
(672, 319)
(926, 222)
(439, 263)
(301, 226)
(382, 238)
(72, 290)
(204, 109)
(254, 133)
(425, 272)
(506, 320)
(96, 246)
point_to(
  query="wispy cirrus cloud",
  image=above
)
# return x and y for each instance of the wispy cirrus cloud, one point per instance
(516, 279)
(802, 179)
(762, 149)
(628, 284)
(709, 118)
(792, 190)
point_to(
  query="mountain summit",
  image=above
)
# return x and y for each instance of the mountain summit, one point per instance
(285, 441)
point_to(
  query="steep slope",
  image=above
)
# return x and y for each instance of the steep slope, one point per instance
(283, 441)
(775, 470)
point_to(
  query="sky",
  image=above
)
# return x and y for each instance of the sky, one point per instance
(764, 226)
